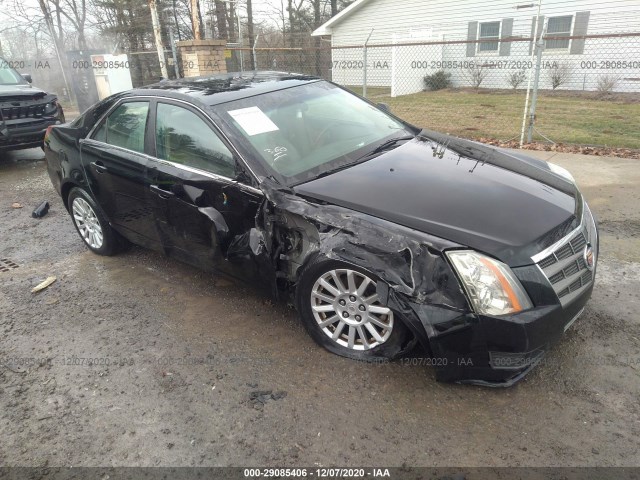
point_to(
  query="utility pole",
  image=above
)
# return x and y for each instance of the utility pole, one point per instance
(158, 38)
(533, 53)
(364, 64)
(536, 82)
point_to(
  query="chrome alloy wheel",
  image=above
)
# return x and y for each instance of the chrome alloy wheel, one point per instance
(347, 309)
(87, 223)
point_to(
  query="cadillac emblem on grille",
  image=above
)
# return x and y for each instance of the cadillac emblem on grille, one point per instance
(588, 257)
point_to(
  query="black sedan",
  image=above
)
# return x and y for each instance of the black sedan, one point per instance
(382, 234)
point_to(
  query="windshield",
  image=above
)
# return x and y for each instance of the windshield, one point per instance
(303, 132)
(8, 76)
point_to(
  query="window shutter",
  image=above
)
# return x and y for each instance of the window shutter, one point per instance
(507, 31)
(533, 31)
(472, 36)
(579, 28)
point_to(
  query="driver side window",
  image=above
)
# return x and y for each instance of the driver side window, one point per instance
(183, 137)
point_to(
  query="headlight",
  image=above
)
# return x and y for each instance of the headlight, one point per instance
(563, 172)
(51, 107)
(491, 286)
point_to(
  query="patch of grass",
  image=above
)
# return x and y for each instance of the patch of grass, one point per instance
(573, 118)
(372, 92)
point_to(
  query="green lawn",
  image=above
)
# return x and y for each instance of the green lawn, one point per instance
(564, 118)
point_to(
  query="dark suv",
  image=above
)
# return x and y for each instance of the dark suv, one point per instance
(25, 111)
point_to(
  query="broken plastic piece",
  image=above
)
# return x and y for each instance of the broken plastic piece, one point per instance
(41, 210)
(43, 285)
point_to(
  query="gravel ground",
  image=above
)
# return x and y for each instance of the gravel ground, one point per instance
(193, 369)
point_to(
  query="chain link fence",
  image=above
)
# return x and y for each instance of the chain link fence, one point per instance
(588, 85)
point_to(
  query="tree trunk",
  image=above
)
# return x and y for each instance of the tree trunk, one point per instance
(316, 40)
(334, 8)
(292, 29)
(231, 21)
(254, 64)
(201, 21)
(195, 20)
(221, 19)
(175, 19)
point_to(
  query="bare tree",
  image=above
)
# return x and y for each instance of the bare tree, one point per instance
(76, 12)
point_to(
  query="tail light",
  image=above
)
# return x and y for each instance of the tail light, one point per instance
(46, 134)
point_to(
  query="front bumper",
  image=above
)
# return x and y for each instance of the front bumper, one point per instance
(499, 351)
(27, 132)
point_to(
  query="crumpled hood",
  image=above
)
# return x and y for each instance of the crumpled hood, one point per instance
(454, 189)
(21, 91)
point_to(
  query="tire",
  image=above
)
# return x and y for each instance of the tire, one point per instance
(326, 307)
(91, 223)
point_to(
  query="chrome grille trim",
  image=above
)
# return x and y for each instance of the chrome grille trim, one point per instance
(563, 263)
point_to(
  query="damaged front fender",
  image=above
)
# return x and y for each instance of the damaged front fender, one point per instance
(417, 281)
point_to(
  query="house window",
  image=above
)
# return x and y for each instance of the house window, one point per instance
(489, 37)
(559, 27)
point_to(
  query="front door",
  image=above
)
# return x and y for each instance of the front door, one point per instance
(200, 210)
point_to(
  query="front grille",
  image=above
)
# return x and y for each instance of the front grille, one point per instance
(565, 266)
(26, 111)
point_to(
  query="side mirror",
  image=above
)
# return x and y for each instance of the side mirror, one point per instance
(242, 176)
(27, 77)
(384, 107)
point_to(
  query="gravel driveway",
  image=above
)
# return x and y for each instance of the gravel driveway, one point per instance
(192, 369)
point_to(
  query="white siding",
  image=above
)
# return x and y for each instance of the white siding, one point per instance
(407, 21)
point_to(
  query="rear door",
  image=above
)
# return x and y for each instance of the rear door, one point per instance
(115, 163)
(201, 210)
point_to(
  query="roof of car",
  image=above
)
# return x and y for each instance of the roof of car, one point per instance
(221, 88)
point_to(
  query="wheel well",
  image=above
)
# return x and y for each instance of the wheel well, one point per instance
(64, 193)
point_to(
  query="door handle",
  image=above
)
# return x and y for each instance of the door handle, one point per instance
(161, 192)
(99, 166)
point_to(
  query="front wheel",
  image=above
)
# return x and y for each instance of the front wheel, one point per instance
(91, 223)
(341, 311)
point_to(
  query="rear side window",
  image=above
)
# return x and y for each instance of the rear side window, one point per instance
(125, 126)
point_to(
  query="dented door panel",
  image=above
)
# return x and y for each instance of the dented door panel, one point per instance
(198, 214)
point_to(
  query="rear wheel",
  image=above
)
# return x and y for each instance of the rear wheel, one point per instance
(91, 223)
(341, 311)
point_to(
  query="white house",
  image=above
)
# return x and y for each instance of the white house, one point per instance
(587, 42)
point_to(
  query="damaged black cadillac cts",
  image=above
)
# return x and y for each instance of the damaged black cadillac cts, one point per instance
(382, 234)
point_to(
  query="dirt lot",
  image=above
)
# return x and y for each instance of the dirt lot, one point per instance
(203, 371)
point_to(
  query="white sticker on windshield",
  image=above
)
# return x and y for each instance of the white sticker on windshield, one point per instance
(253, 121)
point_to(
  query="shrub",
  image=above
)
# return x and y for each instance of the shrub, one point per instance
(515, 79)
(438, 80)
(476, 75)
(559, 74)
(606, 83)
